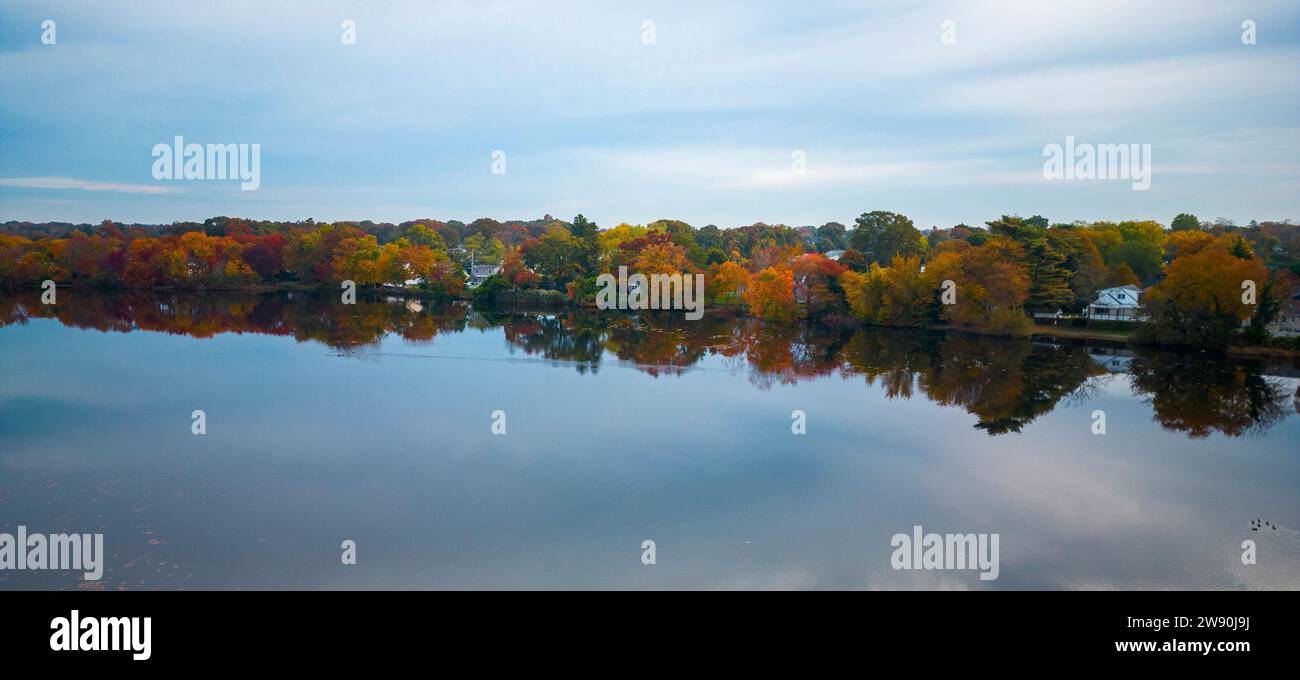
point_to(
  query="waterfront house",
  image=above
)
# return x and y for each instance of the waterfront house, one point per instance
(1122, 303)
(479, 273)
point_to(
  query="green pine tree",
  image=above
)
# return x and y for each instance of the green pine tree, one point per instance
(1049, 277)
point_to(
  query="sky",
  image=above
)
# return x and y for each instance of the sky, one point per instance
(719, 113)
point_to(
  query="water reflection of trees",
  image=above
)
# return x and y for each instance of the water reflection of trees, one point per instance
(305, 317)
(554, 336)
(1004, 383)
(1200, 394)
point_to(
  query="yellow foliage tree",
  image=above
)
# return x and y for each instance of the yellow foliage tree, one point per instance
(770, 295)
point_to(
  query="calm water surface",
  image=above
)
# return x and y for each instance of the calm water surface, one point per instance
(372, 423)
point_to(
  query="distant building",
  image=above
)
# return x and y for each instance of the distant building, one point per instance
(833, 254)
(1117, 304)
(1287, 323)
(479, 273)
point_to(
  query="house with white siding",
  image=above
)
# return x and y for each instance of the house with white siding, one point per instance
(1123, 303)
(479, 273)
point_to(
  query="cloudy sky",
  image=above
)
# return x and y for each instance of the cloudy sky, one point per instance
(698, 119)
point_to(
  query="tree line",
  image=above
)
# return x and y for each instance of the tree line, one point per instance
(887, 271)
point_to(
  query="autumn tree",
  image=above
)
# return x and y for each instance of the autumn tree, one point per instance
(817, 284)
(422, 235)
(356, 259)
(773, 254)
(515, 272)
(726, 283)
(483, 250)
(557, 256)
(897, 295)
(627, 251)
(991, 287)
(1122, 275)
(854, 260)
(485, 227)
(1187, 242)
(661, 258)
(683, 235)
(1201, 300)
(770, 295)
(1139, 244)
(609, 240)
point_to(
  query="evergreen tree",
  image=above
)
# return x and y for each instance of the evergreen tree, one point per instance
(1049, 278)
(1184, 222)
(1241, 249)
(588, 248)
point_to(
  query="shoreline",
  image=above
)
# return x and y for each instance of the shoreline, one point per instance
(1040, 331)
(1125, 337)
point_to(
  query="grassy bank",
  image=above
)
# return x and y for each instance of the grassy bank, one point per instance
(1125, 336)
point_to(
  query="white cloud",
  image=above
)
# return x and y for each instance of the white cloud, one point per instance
(1128, 93)
(85, 185)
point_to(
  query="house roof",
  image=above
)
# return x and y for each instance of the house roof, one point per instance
(1124, 297)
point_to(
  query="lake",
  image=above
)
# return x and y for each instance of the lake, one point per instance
(374, 423)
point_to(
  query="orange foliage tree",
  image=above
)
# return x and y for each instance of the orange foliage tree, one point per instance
(770, 295)
(1204, 298)
(817, 284)
(991, 287)
(515, 272)
(726, 283)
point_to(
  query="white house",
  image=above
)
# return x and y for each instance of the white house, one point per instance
(1117, 304)
(480, 272)
(1287, 323)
